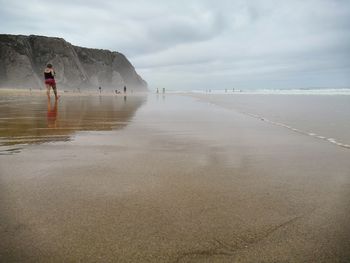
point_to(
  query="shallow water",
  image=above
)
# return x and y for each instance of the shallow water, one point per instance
(322, 117)
(34, 119)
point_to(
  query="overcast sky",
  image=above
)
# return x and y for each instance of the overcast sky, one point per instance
(190, 44)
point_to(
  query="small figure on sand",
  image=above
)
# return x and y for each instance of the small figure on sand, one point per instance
(49, 75)
(100, 89)
(124, 89)
(117, 92)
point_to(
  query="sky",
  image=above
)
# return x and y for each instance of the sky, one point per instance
(204, 44)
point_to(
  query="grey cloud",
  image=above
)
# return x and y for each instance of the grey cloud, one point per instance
(183, 29)
(198, 43)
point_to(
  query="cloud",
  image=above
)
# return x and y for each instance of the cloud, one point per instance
(202, 43)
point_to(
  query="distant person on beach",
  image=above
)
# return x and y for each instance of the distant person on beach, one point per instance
(49, 75)
(124, 89)
(100, 89)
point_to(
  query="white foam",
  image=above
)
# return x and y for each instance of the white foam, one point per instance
(311, 134)
(332, 140)
(300, 91)
(343, 91)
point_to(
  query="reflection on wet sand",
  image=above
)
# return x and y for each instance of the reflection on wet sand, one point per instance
(52, 114)
(26, 120)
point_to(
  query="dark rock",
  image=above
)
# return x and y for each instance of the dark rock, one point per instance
(23, 59)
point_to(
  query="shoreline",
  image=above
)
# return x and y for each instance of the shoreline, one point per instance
(25, 92)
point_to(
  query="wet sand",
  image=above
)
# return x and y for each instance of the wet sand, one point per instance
(183, 181)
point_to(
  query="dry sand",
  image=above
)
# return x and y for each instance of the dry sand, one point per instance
(184, 181)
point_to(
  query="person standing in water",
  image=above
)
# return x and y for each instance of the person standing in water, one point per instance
(50, 82)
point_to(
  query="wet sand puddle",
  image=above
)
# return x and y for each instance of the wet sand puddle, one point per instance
(36, 120)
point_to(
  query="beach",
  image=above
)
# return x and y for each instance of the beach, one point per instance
(174, 178)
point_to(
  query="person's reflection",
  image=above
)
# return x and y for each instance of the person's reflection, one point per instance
(125, 99)
(52, 114)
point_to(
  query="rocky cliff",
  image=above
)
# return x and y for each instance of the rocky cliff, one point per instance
(23, 59)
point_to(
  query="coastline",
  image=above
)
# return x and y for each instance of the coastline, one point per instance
(38, 92)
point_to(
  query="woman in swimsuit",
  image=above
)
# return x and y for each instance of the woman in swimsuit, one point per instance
(49, 75)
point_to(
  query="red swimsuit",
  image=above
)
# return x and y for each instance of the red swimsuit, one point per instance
(49, 79)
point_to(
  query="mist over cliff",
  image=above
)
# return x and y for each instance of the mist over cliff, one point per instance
(23, 59)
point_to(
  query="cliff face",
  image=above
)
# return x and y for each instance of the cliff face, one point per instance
(23, 59)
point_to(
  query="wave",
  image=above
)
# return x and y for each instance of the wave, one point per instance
(342, 91)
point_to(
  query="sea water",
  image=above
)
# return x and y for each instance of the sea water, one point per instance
(322, 116)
